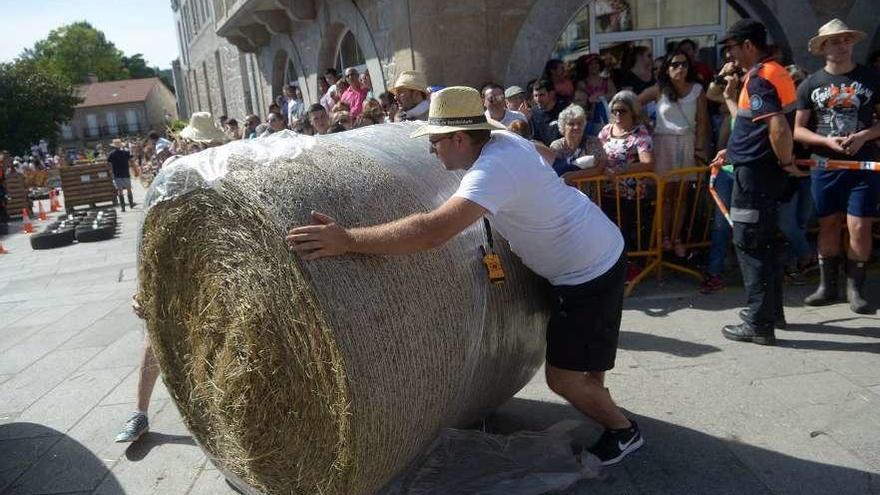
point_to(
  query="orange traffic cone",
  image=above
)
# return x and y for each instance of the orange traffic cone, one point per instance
(53, 202)
(41, 212)
(3, 249)
(28, 227)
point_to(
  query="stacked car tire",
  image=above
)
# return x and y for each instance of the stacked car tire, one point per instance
(90, 226)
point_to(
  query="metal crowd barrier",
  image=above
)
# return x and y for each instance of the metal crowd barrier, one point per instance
(693, 212)
(638, 218)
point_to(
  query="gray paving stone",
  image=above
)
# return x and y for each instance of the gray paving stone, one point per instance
(211, 482)
(125, 351)
(73, 398)
(66, 467)
(825, 387)
(126, 392)
(26, 388)
(103, 333)
(20, 455)
(30, 350)
(14, 334)
(166, 460)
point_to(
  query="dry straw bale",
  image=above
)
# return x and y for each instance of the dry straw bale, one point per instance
(327, 376)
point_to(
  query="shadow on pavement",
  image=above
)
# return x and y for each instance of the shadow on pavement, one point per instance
(48, 461)
(637, 341)
(677, 460)
(138, 450)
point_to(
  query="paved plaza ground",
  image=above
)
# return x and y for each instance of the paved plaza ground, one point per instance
(719, 417)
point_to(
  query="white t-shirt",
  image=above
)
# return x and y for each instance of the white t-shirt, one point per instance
(556, 230)
(509, 117)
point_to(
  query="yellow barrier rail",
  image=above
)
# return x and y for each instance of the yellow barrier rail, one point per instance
(630, 200)
(692, 214)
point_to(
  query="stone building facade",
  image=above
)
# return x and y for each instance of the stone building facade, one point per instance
(236, 55)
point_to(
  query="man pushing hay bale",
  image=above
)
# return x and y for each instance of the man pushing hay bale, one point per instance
(330, 376)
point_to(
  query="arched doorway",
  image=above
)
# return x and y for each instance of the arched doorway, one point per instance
(280, 64)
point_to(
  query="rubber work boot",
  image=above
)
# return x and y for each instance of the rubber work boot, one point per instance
(130, 199)
(827, 291)
(122, 201)
(855, 282)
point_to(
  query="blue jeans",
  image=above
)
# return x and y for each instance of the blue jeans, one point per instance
(793, 218)
(721, 232)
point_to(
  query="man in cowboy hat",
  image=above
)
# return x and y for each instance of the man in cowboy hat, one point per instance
(120, 162)
(835, 118)
(411, 92)
(568, 241)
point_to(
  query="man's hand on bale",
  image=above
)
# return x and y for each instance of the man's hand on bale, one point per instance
(323, 238)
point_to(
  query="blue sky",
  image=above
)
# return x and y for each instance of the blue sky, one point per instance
(134, 26)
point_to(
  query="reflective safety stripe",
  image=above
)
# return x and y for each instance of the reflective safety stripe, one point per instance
(744, 215)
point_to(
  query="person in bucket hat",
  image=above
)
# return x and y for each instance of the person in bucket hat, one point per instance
(568, 241)
(835, 112)
(203, 129)
(411, 92)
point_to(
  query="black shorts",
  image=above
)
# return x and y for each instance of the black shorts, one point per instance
(583, 330)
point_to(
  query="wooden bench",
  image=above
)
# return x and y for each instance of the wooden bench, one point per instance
(17, 194)
(87, 185)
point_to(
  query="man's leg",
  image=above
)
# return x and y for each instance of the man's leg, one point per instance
(121, 198)
(858, 254)
(587, 393)
(130, 198)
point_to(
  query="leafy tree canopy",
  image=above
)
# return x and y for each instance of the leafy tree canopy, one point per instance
(34, 101)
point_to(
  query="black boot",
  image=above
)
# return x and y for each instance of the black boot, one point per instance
(855, 281)
(130, 199)
(827, 291)
(122, 201)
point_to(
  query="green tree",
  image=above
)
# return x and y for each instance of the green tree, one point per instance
(34, 101)
(136, 67)
(77, 50)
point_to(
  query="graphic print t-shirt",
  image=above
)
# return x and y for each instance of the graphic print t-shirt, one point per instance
(841, 105)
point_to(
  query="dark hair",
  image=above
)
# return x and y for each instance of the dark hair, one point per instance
(544, 84)
(224, 117)
(274, 105)
(316, 107)
(479, 137)
(583, 65)
(490, 85)
(550, 65)
(331, 72)
(633, 55)
(232, 122)
(663, 80)
(337, 127)
(688, 41)
(153, 135)
(277, 116)
(529, 87)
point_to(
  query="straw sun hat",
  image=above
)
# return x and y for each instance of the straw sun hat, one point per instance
(202, 129)
(456, 108)
(410, 79)
(834, 27)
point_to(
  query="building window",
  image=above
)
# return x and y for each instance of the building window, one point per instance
(66, 132)
(131, 120)
(614, 16)
(613, 28)
(112, 127)
(92, 125)
(349, 54)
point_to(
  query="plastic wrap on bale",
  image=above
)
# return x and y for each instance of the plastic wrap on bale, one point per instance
(326, 376)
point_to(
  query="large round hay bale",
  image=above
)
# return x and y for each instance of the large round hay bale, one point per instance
(327, 376)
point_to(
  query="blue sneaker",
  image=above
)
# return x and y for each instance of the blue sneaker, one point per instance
(134, 428)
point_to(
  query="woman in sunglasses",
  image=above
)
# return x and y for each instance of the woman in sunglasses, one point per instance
(681, 131)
